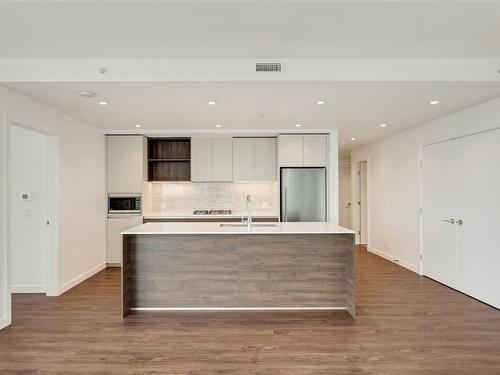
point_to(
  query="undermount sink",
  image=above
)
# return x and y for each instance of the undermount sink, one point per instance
(243, 225)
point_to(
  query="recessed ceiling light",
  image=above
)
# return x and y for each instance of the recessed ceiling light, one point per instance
(434, 102)
(320, 102)
(383, 125)
(353, 138)
(87, 94)
(138, 125)
(103, 103)
(218, 126)
(298, 125)
(212, 102)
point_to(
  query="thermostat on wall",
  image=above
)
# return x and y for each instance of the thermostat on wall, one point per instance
(25, 196)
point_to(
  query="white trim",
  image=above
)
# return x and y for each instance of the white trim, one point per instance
(77, 280)
(237, 308)
(3, 323)
(7, 303)
(402, 263)
(27, 288)
(52, 255)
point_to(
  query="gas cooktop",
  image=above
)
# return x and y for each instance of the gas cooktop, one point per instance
(212, 212)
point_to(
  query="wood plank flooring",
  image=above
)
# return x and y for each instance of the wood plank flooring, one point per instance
(405, 324)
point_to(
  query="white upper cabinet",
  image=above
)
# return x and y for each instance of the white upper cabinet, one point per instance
(314, 150)
(125, 163)
(244, 159)
(201, 159)
(254, 159)
(309, 150)
(265, 159)
(290, 150)
(222, 159)
(211, 159)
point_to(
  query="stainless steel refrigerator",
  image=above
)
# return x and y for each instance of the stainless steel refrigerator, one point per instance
(303, 194)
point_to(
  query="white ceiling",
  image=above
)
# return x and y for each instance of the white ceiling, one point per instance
(254, 29)
(355, 108)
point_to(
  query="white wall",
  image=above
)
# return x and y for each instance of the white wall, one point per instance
(394, 179)
(80, 189)
(28, 175)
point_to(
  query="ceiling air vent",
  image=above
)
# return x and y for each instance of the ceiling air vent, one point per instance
(268, 67)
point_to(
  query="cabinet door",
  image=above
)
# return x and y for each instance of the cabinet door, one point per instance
(291, 151)
(125, 164)
(478, 236)
(315, 150)
(201, 159)
(244, 159)
(439, 204)
(265, 159)
(222, 159)
(115, 241)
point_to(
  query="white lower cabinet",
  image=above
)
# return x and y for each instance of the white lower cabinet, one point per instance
(115, 225)
(461, 214)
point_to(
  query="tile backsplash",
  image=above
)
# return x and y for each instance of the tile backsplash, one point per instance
(185, 197)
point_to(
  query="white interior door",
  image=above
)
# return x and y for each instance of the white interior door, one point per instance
(478, 192)
(439, 203)
(29, 210)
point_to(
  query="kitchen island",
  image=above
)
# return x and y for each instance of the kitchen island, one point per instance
(227, 266)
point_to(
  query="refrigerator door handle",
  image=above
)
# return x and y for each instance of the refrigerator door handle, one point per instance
(286, 205)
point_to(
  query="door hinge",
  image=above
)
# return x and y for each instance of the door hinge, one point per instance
(358, 173)
(420, 256)
(359, 232)
(359, 203)
(421, 210)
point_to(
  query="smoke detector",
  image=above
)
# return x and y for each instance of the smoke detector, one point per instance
(268, 67)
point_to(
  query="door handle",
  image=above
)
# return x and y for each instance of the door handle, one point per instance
(451, 221)
(460, 222)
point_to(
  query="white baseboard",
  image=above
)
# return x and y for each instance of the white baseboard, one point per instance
(77, 280)
(3, 323)
(402, 263)
(27, 289)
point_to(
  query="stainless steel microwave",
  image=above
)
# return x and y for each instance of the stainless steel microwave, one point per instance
(124, 204)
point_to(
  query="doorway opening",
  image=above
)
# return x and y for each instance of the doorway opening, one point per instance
(362, 203)
(32, 252)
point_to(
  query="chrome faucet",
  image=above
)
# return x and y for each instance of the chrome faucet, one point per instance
(249, 211)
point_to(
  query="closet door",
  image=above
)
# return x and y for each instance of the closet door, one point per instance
(478, 192)
(439, 203)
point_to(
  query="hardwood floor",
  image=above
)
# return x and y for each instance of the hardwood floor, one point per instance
(405, 324)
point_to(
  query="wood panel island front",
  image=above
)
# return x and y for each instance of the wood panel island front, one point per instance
(227, 266)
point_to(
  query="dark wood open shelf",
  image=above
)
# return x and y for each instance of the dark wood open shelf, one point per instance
(169, 159)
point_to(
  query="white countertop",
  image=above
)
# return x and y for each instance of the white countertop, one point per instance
(215, 228)
(189, 215)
